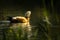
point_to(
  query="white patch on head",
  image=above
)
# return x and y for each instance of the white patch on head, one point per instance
(28, 13)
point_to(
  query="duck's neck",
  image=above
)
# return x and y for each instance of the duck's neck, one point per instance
(28, 21)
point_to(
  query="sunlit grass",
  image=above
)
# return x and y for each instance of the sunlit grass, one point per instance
(16, 34)
(47, 23)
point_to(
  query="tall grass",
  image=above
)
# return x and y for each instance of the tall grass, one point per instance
(19, 34)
